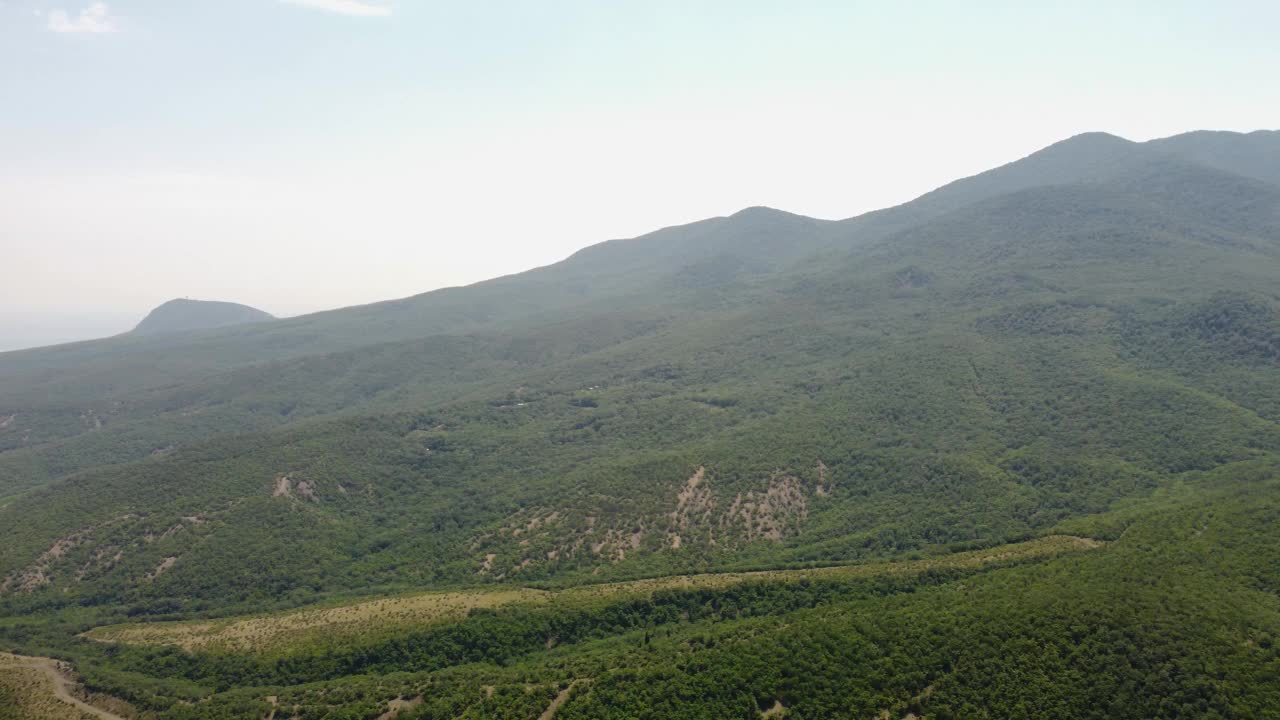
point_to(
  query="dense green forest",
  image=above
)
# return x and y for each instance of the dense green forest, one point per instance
(1085, 342)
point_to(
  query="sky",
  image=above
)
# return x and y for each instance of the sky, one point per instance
(300, 155)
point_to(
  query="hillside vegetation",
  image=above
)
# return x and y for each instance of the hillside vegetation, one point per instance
(415, 506)
(383, 618)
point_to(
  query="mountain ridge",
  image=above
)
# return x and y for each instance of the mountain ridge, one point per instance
(1082, 344)
(1092, 140)
(637, 276)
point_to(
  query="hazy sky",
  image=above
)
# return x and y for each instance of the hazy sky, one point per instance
(307, 154)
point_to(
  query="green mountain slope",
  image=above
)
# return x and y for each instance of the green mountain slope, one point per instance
(124, 398)
(1022, 319)
(1085, 341)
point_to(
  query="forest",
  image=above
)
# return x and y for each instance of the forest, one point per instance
(1008, 450)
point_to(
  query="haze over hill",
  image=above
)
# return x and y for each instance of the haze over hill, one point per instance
(185, 314)
(1078, 348)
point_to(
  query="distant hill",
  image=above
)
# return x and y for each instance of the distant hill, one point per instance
(1083, 342)
(182, 315)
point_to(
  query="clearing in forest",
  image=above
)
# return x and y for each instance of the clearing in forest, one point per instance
(316, 624)
(38, 689)
(372, 619)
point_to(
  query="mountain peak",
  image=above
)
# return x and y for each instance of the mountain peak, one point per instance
(759, 211)
(1085, 149)
(763, 214)
(1095, 137)
(183, 314)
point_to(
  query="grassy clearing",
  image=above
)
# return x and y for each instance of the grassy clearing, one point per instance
(28, 691)
(370, 618)
(373, 619)
(1031, 549)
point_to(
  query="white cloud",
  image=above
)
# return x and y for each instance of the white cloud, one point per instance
(96, 18)
(344, 7)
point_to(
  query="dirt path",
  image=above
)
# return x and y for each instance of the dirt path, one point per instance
(550, 712)
(62, 686)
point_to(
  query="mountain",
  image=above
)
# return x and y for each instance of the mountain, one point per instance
(1009, 449)
(184, 315)
(1255, 154)
(145, 379)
